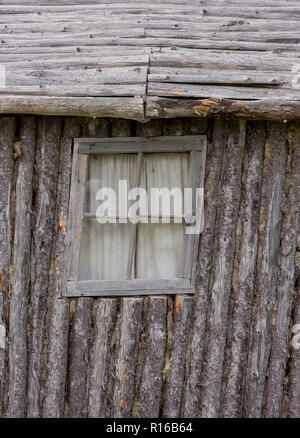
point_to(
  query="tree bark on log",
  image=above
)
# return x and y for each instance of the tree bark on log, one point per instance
(124, 388)
(21, 275)
(243, 288)
(81, 327)
(7, 135)
(221, 280)
(173, 391)
(79, 357)
(149, 398)
(294, 375)
(101, 352)
(41, 253)
(264, 109)
(58, 313)
(286, 281)
(267, 267)
(214, 170)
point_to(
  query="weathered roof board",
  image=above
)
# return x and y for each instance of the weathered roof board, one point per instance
(163, 58)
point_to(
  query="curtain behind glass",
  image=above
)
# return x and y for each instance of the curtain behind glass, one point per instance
(105, 247)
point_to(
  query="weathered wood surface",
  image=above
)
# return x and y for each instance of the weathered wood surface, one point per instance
(126, 360)
(21, 275)
(81, 345)
(243, 284)
(101, 353)
(212, 184)
(286, 281)
(58, 313)
(81, 326)
(54, 53)
(7, 135)
(267, 268)
(293, 410)
(175, 367)
(222, 270)
(42, 241)
(150, 390)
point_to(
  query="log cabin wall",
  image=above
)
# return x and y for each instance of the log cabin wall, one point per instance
(228, 351)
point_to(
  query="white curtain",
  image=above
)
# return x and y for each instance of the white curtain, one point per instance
(159, 247)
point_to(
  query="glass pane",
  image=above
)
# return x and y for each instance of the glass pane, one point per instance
(159, 247)
(165, 170)
(104, 247)
(160, 250)
(104, 251)
(107, 171)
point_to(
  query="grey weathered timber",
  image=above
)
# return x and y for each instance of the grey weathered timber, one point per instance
(21, 276)
(76, 211)
(101, 352)
(141, 144)
(261, 40)
(221, 276)
(222, 92)
(44, 216)
(81, 326)
(264, 109)
(131, 107)
(7, 135)
(173, 391)
(150, 390)
(267, 267)
(126, 351)
(294, 372)
(79, 357)
(133, 227)
(243, 284)
(123, 393)
(58, 309)
(286, 279)
(212, 184)
(84, 90)
(127, 287)
(197, 176)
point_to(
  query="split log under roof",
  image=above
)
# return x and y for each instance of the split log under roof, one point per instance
(141, 60)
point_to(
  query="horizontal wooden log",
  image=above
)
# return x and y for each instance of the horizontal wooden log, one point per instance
(265, 109)
(202, 76)
(84, 90)
(123, 107)
(69, 76)
(221, 91)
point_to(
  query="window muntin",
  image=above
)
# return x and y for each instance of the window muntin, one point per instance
(126, 258)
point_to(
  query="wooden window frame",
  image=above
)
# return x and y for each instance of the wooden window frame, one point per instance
(196, 146)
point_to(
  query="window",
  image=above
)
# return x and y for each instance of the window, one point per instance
(135, 215)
